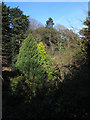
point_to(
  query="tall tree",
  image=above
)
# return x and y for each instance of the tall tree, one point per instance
(19, 24)
(30, 64)
(49, 23)
(85, 32)
(87, 35)
(14, 28)
(6, 45)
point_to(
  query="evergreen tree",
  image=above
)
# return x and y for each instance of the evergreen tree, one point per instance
(19, 24)
(86, 37)
(14, 28)
(49, 23)
(30, 64)
(6, 45)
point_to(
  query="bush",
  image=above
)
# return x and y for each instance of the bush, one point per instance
(16, 85)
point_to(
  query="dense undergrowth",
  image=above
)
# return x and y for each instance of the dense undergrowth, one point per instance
(64, 98)
(67, 101)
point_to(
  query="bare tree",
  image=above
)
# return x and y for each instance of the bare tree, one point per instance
(34, 24)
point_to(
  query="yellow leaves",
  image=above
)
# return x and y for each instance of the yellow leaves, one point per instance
(41, 49)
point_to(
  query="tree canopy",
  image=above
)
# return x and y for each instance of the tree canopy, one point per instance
(49, 23)
(14, 28)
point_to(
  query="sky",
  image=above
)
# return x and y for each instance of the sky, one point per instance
(63, 13)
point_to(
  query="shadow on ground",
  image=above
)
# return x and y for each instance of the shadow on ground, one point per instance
(69, 101)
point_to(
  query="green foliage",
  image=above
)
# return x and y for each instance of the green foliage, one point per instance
(86, 39)
(79, 57)
(56, 40)
(6, 40)
(49, 23)
(52, 74)
(30, 64)
(19, 25)
(16, 85)
(14, 27)
(22, 87)
(44, 58)
(56, 83)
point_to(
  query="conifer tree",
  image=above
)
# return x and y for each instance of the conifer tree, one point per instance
(49, 23)
(14, 28)
(87, 36)
(85, 32)
(6, 45)
(19, 24)
(30, 64)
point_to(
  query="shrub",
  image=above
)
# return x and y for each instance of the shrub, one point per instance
(52, 73)
(17, 85)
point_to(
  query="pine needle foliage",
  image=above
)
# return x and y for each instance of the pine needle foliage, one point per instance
(30, 64)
